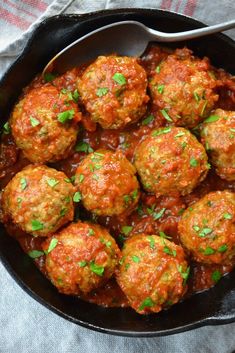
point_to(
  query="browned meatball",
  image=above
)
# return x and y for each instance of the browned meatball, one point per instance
(153, 273)
(171, 160)
(183, 88)
(207, 229)
(38, 200)
(113, 89)
(107, 183)
(218, 137)
(44, 124)
(80, 258)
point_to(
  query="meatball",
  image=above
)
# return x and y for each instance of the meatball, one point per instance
(207, 229)
(183, 88)
(38, 200)
(152, 273)
(107, 183)
(218, 137)
(171, 160)
(44, 124)
(80, 258)
(113, 90)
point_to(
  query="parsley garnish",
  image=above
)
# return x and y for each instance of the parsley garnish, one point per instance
(36, 225)
(119, 78)
(34, 254)
(148, 120)
(147, 303)
(77, 197)
(83, 147)
(165, 115)
(98, 270)
(102, 91)
(65, 116)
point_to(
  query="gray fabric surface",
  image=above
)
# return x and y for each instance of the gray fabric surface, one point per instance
(25, 325)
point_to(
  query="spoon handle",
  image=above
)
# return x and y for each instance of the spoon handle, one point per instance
(195, 33)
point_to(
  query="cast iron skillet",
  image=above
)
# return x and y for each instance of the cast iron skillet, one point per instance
(215, 306)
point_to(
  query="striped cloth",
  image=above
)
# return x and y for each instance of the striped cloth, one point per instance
(25, 325)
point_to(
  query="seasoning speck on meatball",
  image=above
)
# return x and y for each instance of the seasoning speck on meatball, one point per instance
(153, 273)
(80, 258)
(44, 124)
(183, 88)
(218, 137)
(207, 228)
(113, 90)
(171, 160)
(107, 183)
(38, 200)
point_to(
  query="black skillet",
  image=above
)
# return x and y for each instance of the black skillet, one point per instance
(215, 306)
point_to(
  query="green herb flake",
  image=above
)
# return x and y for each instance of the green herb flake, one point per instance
(158, 69)
(6, 128)
(152, 242)
(204, 232)
(196, 96)
(82, 263)
(193, 162)
(81, 178)
(98, 270)
(215, 276)
(91, 232)
(223, 248)
(63, 211)
(52, 182)
(209, 251)
(48, 77)
(119, 78)
(36, 225)
(126, 229)
(65, 116)
(169, 251)
(34, 254)
(134, 194)
(185, 274)
(196, 228)
(77, 197)
(126, 198)
(211, 119)
(102, 91)
(148, 120)
(165, 115)
(227, 215)
(75, 95)
(160, 88)
(33, 121)
(83, 147)
(52, 245)
(203, 108)
(147, 303)
(159, 214)
(23, 183)
(180, 134)
(161, 131)
(136, 259)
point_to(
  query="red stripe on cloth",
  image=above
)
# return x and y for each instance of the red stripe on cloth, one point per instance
(166, 4)
(190, 7)
(13, 19)
(19, 8)
(178, 5)
(40, 5)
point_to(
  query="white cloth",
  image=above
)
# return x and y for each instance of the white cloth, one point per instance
(25, 325)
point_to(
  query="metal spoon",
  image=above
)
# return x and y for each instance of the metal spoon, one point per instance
(124, 38)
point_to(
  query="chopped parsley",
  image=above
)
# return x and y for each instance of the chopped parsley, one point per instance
(23, 183)
(159, 214)
(164, 235)
(136, 259)
(48, 77)
(227, 215)
(34, 254)
(148, 120)
(160, 89)
(36, 225)
(6, 128)
(119, 78)
(63, 211)
(158, 69)
(203, 108)
(77, 197)
(52, 245)
(165, 115)
(215, 276)
(205, 231)
(181, 133)
(126, 229)
(193, 162)
(98, 270)
(152, 242)
(83, 147)
(185, 274)
(147, 303)
(169, 251)
(208, 251)
(82, 263)
(161, 131)
(91, 232)
(75, 95)
(65, 116)
(52, 182)
(33, 121)
(223, 248)
(196, 96)
(102, 91)
(211, 119)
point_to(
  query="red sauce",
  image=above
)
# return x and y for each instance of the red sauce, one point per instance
(153, 215)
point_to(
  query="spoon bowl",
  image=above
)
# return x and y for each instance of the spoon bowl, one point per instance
(128, 38)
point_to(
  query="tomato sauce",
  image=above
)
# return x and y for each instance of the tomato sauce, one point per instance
(153, 214)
